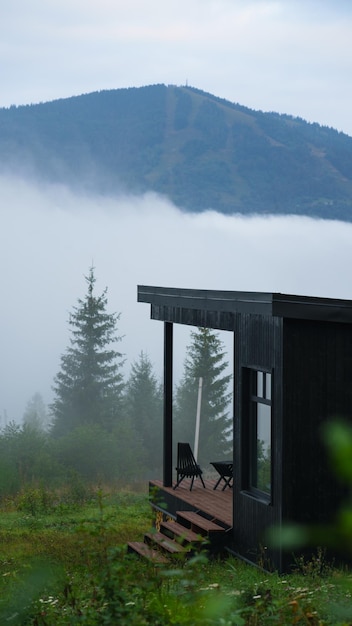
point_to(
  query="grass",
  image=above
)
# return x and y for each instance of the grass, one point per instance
(66, 563)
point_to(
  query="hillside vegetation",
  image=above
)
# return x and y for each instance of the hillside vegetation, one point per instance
(199, 150)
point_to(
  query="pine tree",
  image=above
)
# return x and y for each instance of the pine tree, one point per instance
(144, 407)
(205, 359)
(88, 388)
(35, 414)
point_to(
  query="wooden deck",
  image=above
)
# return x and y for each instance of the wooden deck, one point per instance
(215, 505)
(185, 519)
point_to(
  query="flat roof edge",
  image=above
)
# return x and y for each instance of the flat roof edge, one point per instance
(150, 294)
(262, 303)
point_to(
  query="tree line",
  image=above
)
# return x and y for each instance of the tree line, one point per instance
(100, 427)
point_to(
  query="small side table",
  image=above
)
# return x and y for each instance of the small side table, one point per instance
(225, 470)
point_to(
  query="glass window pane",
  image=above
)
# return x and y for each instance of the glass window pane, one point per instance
(268, 386)
(260, 384)
(263, 448)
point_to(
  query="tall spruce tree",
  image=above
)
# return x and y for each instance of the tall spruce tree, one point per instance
(144, 407)
(88, 388)
(205, 359)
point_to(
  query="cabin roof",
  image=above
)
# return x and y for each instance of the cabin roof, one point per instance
(169, 300)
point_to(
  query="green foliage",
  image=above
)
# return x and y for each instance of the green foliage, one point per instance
(97, 455)
(144, 409)
(130, 452)
(25, 458)
(72, 567)
(205, 359)
(88, 388)
(35, 500)
(31, 459)
(88, 451)
(338, 439)
(316, 566)
(33, 581)
(17, 607)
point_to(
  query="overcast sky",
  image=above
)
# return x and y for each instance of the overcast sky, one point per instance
(289, 56)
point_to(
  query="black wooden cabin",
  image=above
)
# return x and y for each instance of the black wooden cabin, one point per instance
(292, 372)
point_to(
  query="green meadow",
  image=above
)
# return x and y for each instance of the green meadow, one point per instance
(63, 560)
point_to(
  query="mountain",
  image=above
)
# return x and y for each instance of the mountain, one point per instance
(201, 151)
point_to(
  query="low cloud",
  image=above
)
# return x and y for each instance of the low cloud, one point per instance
(50, 237)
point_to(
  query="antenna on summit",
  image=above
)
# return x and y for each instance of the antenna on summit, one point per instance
(186, 82)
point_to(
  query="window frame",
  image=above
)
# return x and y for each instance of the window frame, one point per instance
(257, 390)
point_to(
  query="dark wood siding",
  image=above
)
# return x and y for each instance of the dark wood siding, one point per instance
(317, 387)
(258, 346)
(221, 320)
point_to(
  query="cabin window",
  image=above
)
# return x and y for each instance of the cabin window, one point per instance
(258, 431)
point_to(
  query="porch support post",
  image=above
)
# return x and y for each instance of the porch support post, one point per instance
(168, 363)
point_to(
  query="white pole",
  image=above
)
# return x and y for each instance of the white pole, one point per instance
(199, 403)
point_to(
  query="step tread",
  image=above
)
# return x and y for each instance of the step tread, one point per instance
(164, 542)
(142, 549)
(199, 521)
(181, 532)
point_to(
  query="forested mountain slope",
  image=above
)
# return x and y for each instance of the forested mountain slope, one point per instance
(200, 151)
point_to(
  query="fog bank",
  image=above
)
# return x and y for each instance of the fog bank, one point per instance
(50, 237)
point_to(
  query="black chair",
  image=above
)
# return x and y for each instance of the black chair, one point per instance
(225, 471)
(187, 467)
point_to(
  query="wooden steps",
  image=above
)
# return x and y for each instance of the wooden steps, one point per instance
(163, 542)
(146, 551)
(181, 537)
(198, 523)
(178, 531)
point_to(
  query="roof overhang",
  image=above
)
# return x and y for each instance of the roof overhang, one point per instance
(217, 309)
